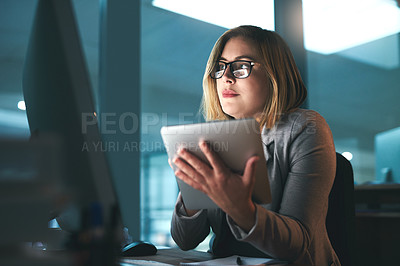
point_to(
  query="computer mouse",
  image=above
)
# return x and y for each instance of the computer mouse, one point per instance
(139, 248)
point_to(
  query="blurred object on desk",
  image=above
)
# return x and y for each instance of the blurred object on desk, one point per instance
(31, 192)
(387, 156)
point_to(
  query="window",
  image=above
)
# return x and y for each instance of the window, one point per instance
(353, 83)
(158, 197)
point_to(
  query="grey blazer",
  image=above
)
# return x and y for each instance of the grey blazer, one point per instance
(301, 161)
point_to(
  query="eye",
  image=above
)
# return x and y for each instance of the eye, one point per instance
(241, 69)
(218, 70)
(243, 65)
(220, 67)
(240, 65)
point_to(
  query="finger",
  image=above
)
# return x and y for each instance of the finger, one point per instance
(198, 165)
(170, 163)
(190, 181)
(215, 161)
(250, 171)
(187, 169)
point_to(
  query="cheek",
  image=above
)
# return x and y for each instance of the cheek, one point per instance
(263, 89)
(266, 93)
(260, 100)
(259, 91)
(219, 84)
(260, 97)
(219, 89)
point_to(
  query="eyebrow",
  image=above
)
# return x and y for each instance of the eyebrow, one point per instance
(238, 58)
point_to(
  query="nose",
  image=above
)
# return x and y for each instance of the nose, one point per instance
(228, 77)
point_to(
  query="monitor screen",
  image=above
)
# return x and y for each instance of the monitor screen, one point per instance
(58, 99)
(387, 154)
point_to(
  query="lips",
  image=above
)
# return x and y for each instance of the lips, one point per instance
(229, 94)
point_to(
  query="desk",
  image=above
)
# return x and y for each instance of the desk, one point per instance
(376, 195)
(377, 224)
(172, 256)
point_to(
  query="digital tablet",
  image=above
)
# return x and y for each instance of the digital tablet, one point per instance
(235, 141)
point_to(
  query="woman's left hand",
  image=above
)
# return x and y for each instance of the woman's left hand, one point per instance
(230, 191)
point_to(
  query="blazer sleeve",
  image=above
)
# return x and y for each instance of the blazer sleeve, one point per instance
(188, 232)
(288, 233)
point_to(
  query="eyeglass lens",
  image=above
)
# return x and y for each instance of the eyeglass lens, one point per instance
(239, 69)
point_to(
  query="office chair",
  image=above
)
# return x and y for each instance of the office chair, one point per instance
(340, 219)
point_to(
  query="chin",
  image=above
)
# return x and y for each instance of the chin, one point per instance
(232, 114)
(235, 116)
(229, 109)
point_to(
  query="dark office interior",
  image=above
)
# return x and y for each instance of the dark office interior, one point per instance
(160, 56)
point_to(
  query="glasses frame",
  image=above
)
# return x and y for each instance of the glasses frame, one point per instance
(230, 68)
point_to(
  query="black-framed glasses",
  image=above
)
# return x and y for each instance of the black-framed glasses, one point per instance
(240, 69)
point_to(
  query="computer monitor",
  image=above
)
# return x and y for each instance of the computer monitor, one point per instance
(58, 96)
(387, 154)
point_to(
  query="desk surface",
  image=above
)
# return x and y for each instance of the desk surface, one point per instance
(377, 201)
(379, 187)
(175, 256)
(377, 193)
(170, 256)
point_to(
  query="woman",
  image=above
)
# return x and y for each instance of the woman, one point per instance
(251, 73)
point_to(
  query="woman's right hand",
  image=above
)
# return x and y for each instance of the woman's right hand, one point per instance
(229, 190)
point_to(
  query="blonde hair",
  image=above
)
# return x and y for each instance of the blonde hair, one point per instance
(288, 91)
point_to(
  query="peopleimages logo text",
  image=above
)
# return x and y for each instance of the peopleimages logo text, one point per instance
(128, 122)
(122, 146)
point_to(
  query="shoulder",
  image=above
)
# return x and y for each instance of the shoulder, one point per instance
(295, 123)
(308, 121)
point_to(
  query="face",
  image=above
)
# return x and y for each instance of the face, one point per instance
(242, 98)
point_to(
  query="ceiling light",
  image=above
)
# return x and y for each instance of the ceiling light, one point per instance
(347, 155)
(224, 13)
(21, 105)
(332, 26)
